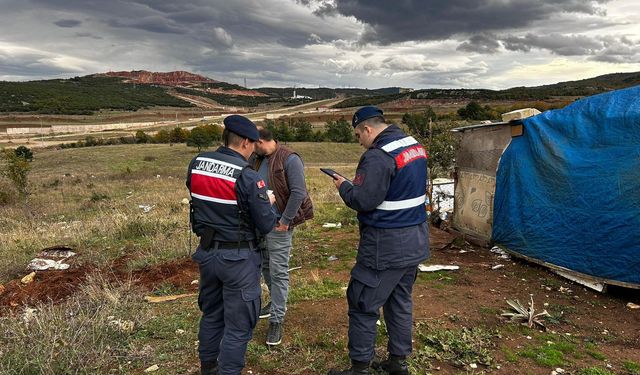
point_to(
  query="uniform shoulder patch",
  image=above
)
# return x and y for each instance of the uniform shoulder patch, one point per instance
(359, 179)
(260, 184)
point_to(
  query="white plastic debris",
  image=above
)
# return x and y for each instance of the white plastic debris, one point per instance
(39, 264)
(152, 368)
(332, 225)
(185, 201)
(332, 258)
(633, 306)
(146, 208)
(501, 253)
(473, 365)
(437, 267)
(497, 266)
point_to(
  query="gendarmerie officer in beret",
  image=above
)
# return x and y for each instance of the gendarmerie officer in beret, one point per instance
(230, 210)
(388, 192)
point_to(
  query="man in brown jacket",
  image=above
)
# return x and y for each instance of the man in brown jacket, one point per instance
(283, 172)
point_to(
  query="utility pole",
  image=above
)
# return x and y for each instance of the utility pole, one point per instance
(41, 133)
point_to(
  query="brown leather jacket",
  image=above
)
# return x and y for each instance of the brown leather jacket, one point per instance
(278, 182)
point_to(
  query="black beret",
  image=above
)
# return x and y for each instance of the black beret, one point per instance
(242, 126)
(365, 113)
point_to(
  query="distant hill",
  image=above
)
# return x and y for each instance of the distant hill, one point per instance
(142, 89)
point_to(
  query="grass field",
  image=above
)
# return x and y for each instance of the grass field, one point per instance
(90, 198)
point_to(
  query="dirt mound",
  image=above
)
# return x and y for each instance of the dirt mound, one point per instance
(55, 286)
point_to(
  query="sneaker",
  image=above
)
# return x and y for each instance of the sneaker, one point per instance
(265, 312)
(274, 335)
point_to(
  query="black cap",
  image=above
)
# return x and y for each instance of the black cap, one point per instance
(365, 113)
(242, 126)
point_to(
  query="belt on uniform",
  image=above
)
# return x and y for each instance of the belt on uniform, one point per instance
(232, 245)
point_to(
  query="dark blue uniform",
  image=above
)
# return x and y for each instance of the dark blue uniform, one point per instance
(388, 192)
(231, 210)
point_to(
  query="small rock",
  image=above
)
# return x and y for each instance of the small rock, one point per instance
(185, 201)
(152, 368)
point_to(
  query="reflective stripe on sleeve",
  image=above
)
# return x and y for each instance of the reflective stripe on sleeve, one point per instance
(399, 205)
(406, 141)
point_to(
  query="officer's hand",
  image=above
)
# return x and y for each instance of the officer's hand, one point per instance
(272, 198)
(281, 227)
(338, 180)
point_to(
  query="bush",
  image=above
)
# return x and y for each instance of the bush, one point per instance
(24, 152)
(340, 131)
(16, 169)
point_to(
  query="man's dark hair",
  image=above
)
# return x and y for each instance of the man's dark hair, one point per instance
(265, 134)
(230, 138)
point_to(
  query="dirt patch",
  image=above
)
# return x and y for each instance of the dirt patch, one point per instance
(55, 286)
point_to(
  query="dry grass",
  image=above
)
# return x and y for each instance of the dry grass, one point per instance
(89, 199)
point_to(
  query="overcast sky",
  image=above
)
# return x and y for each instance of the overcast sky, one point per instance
(330, 43)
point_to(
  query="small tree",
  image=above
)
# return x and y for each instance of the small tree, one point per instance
(200, 138)
(162, 136)
(16, 170)
(340, 131)
(142, 137)
(303, 131)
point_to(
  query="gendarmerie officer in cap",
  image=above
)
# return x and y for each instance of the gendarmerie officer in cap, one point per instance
(388, 192)
(230, 209)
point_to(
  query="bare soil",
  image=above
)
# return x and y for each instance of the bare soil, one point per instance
(470, 297)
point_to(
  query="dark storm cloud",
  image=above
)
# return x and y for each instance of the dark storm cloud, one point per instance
(412, 20)
(68, 23)
(485, 43)
(602, 48)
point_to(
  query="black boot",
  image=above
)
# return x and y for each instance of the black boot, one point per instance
(395, 365)
(209, 368)
(357, 368)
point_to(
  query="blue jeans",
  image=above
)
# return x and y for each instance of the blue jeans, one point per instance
(275, 269)
(230, 303)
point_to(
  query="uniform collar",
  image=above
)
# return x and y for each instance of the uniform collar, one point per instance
(227, 151)
(386, 132)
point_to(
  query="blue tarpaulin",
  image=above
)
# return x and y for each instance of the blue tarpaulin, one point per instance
(568, 189)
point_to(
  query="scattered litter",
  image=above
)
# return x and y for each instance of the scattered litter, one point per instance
(633, 306)
(152, 368)
(195, 282)
(378, 322)
(564, 290)
(557, 371)
(528, 337)
(120, 325)
(39, 264)
(179, 331)
(332, 225)
(58, 251)
(463, 251)
(294, 268)
(332, 258)
(29, 278)
(497, 266)
(156, 299)
(146, 208)
(157, 176)
(185, 201)
(437, 267)
(473, 365)
(28, 314)
(501, 253)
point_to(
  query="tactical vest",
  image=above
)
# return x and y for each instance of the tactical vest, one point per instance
(404, 204)
(215, 200)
